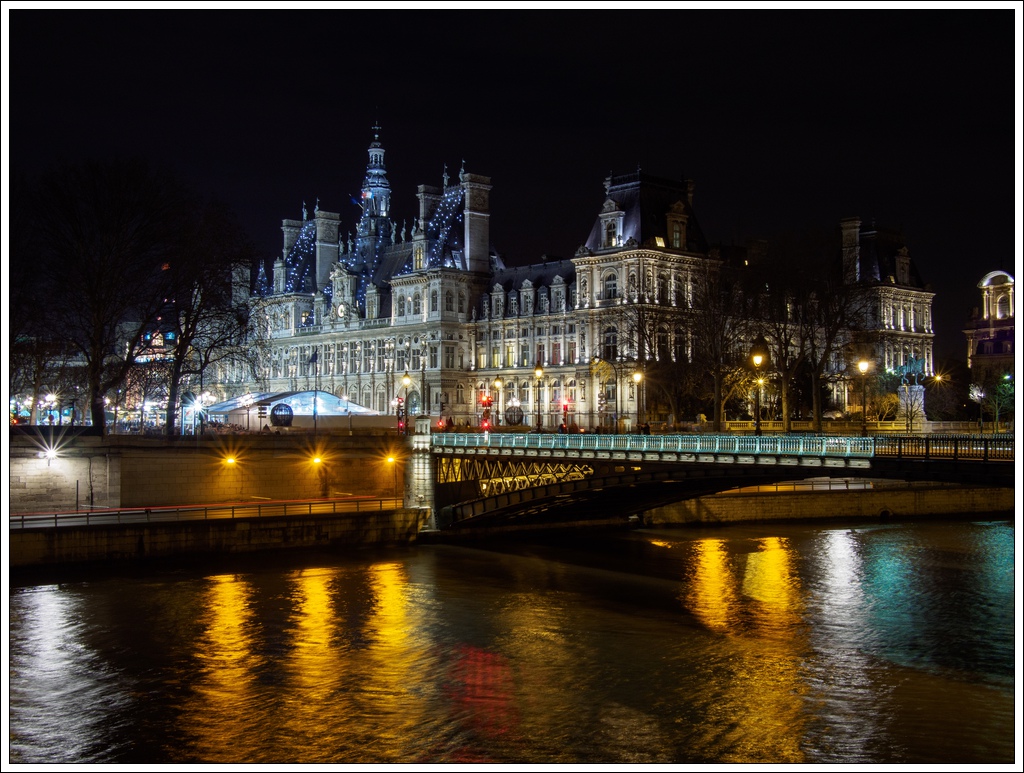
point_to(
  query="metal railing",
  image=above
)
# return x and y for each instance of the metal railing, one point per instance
(227, 510)
(977, 447)
(984, 447)
(786, 445)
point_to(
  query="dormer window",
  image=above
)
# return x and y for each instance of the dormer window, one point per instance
(676, 219)
(903, 266)
(611, 224)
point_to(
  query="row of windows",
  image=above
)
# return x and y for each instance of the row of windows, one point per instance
(414, 305)
(525, 332)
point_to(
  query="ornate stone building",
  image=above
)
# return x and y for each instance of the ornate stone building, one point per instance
(990, 330)
(898, 316)
(354, 313)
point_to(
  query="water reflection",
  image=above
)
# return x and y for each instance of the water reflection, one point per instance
(754, 598)
(712, 593)
(791, 645)
(219, 716)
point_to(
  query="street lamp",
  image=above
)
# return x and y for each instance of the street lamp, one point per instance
(406, 381)
(394, 476)
(617, 375)
(51, 400)
(247, 401)
(758, 356)
(637, 377)
(497, 391)
(539, 373)
(863, 366)
(978, 395)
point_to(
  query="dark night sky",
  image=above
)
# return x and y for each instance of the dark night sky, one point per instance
(784, 118)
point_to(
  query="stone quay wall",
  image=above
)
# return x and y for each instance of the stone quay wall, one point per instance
(92, 544)
(125, 471)
(884, 503)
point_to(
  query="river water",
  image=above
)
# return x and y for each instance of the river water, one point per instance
(799, 644)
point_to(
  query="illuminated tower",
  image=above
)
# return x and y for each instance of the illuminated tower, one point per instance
(374, 231)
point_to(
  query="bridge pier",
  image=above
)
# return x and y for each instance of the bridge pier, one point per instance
(421, 473)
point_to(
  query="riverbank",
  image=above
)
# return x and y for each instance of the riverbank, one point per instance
(881, 503)
(136, 543)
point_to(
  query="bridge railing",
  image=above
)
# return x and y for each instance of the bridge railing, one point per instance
(998, 448)
(983, 447)
(785, 445)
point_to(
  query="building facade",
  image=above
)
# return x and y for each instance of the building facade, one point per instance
(989, 333)
(425, 315)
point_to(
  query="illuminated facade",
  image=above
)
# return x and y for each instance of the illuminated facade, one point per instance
(897, 319)
(990, 331)
(354, 312)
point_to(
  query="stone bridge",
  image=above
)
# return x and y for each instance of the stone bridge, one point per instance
(492, 479)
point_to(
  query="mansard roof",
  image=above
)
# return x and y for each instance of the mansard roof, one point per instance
(538, 274)
(645, 200)
(300, 264)
(879, 250)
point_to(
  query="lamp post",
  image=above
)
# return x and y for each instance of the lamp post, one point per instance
(978, 395)
(637, 377)
(497, 391)
(394, 477)
(863, 366)
(406, 381)
(757, 395)
(539, 373)
(617, 372)
(758, 356)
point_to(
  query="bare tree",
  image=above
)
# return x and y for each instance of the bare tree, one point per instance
(211, 320)
(720, 329)
(145, 382)
(795, 298)
(998, 397)
(106, 232)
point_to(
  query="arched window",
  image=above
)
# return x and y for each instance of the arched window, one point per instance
(662, 288)
(401, 306)
(610, 232)
(611, 285)
(661, 346)
(610, 347)
(1002, 307)
(417, 305)
(433, 300)
(448, 301)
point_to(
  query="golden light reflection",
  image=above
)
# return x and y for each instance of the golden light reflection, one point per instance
(754, 600)
(386, 702)
(220, 722)
(769, 685)
(770, 579)
(712, 593)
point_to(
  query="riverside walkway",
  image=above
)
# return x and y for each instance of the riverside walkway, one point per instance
(193, 513)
